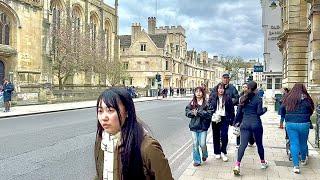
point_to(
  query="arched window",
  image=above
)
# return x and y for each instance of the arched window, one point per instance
(4, 29)
(93, 28)
(56, 14)
(76, 19)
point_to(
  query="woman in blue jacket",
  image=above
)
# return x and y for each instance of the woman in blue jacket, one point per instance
(297, 107)
(249, 110)
(222, 106)
(198, 111)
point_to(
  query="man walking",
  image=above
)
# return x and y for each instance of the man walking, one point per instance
(231, 91)
(8, 87)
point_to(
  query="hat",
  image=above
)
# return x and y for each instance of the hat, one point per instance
(226, 75)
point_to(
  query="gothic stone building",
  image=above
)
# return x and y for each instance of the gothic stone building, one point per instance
(25, 42)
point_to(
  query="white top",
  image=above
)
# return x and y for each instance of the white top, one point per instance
(108, 145)
(221, 110)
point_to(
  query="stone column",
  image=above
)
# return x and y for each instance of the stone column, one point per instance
(314, 86)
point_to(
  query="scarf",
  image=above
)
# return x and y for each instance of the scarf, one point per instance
(108, 145)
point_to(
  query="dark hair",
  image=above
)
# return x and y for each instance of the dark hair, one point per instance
(194, 102)
(224, 97)
(286, 90)
(245, 99)
(131, 133)
(292, 99)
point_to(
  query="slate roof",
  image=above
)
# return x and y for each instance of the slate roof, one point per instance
(125, 40)
(158, 39)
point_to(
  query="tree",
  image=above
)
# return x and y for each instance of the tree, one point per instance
(233, 64)
(71, 53)
(116, 72)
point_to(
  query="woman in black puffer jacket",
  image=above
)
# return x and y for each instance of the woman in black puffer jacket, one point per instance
(198, 111)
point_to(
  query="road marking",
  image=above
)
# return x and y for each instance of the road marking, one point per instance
(184, 149)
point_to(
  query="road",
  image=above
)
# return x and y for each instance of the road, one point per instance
(60, 145)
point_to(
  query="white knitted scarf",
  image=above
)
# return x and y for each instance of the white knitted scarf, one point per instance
(108, 145)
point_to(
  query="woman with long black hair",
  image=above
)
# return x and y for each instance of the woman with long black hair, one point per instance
(249, 110)
(297, 107)
(123, 150)
(222, 110)
(198, 112)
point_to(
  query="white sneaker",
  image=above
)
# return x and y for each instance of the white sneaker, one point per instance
(304, 162)
(218, 156)
(264, 165)
(224, 157)
(236, 170)
(296, 169)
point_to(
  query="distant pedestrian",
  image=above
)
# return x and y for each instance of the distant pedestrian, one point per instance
(260, 92)
(8, 88)
(279, 100)
(297, 107)
(198, 111)
(231, 91)
(171, 91)
(223, 115)
(123, 150)
(249, 110)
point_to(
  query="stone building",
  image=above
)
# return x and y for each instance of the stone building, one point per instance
(272, 28)
(163, 51)
(25, 41)
(300, 44)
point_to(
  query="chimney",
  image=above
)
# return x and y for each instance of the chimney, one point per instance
(135, 30)
(152, 22)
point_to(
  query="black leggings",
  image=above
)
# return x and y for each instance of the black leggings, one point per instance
(246, 130)
(251, 140)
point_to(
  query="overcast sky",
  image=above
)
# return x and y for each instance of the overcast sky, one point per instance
(220, 27)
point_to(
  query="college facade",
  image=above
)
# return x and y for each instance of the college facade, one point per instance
(164, 51)
(26, 42)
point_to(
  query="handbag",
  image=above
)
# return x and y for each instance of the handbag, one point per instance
(216, 117)
(236, 131)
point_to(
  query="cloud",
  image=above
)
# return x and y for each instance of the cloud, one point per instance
(228, 27)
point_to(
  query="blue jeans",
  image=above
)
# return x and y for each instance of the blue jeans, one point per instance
(298, 135)
(199, 139)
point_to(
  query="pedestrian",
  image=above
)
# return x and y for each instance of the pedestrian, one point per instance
(123, 149)
(8, 88)
(231, 91)
(249, 110)
(297, 107)
(222, 116)
(198, 111)
(251, 139)
(284, 91)
(260, 92)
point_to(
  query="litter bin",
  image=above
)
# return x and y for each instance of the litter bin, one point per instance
(277, 104)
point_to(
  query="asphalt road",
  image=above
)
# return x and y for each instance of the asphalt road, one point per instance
(60, 145)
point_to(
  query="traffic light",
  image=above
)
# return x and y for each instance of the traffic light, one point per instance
(158, 77)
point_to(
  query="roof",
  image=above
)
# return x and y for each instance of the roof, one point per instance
(159, 39)
(125, 40)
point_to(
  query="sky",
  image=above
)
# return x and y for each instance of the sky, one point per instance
(220, 27)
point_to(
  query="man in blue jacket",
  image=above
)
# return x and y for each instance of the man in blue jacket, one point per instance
(231, 91)
(8, 87)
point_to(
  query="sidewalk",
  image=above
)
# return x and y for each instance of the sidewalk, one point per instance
(45, 108)
(274, 145)
(38, 109)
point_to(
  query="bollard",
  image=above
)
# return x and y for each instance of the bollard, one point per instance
(317, 126)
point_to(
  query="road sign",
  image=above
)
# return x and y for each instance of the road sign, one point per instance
(257, 68)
